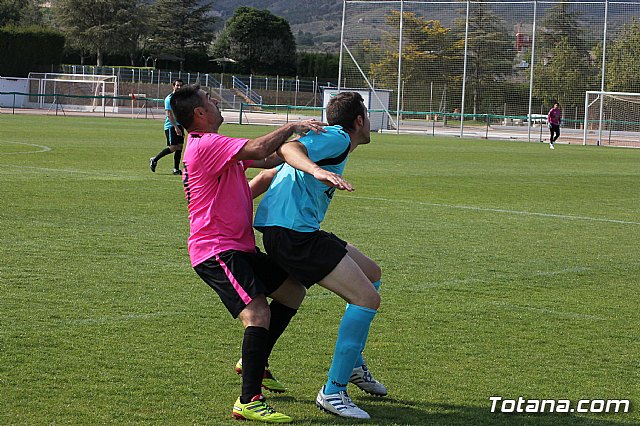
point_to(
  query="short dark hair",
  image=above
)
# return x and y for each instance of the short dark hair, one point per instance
(183, 102)
(177, 80)
(344, 108)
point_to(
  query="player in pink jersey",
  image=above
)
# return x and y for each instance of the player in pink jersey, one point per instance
(221, 241)
(554, 117)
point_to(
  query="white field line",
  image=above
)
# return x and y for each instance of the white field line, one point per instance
(486, 209)
(422, 203)
(562, 271)
(70, 171)
(548, 311)
(43, 148)
(121, 318)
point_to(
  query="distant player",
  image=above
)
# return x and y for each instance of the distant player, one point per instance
(553, 120)
(174, 133)
(289, 216)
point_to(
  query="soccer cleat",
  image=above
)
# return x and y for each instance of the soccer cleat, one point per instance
(551, 146)
(269, 382)
(257, 409)
(340, 404)
(177, 172)
(362, 378)
(152, 164)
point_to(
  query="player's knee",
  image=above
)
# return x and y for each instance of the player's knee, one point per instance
(372, 300)
(256, 313)
(298, 293)
(375, 274)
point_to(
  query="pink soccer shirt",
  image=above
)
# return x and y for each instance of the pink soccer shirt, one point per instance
(554, 116)
(218, 196)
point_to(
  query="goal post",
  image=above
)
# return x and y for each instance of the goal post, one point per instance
(611, 119)
(76, 92)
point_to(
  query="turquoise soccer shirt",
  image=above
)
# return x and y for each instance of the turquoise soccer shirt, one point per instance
(296, 200)
(167, 106)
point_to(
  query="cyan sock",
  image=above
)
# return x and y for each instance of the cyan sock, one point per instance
(360, 359)
(353, 330)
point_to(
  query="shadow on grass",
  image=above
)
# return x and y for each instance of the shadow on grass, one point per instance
(396, 412)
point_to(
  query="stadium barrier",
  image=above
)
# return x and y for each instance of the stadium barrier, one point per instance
(428, 123)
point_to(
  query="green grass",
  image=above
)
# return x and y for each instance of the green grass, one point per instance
(509, 270)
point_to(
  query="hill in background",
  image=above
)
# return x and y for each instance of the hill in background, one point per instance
(314, 23)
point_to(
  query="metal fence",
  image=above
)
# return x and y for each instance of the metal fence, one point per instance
(233, 89)
(490, 63)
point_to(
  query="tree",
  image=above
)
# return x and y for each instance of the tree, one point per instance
(314, 64)
(181, 27)
(98, 26)
(623, 59)
(490, 53)
(565, 68)
(564, 77)
(20, 12)
(429, 55)
(259, 41)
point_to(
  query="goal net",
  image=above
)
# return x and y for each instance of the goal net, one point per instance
(612, 119)
(74, 92)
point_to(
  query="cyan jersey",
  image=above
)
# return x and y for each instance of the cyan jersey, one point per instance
(297, 200)
(167, 106)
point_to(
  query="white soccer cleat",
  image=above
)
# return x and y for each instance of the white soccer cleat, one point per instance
(362, 378)
(551, 146)
(340, 404)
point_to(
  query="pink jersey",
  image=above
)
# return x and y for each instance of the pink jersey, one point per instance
(218, 196)
(554, 116)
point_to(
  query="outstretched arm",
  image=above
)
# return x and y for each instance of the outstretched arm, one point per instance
(295, 154)
(262, 147)
(260, 183)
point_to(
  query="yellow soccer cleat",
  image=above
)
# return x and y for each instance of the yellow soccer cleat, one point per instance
(268, 381)
(257, 409)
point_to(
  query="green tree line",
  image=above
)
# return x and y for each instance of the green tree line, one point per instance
(168, 34)
(433, 54)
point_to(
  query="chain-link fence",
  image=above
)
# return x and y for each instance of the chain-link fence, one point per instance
(491, 69)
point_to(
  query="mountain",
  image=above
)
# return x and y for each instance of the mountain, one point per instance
(316, 24)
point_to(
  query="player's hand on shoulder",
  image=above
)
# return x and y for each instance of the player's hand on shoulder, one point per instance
(332, 179)
(302, 127)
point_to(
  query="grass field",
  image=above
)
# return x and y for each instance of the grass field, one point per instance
(508, 270)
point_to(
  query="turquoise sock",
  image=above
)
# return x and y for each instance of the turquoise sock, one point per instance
(354, 328)
(360, 359)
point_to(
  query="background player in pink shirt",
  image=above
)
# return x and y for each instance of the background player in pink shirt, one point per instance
(553, 120)
(221, 241)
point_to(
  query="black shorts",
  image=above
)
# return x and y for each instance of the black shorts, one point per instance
(306, 256)
(238, 277)
(172, 137)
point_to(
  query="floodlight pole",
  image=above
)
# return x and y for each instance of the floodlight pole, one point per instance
(399, 66)
(532, 61)
(604, 60)
(464, 70)
(344, 9)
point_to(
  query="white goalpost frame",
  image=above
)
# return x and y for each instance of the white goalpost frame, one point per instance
(96, 82)
(604, 61)
(600, 97)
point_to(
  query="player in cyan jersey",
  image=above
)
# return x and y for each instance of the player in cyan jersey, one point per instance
(221, 242)
(289, 216)
(173, 131)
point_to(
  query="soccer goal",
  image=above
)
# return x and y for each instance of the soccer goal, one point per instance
(611, 119)
(75, 92)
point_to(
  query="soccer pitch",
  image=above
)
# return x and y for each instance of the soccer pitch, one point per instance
(508, 270)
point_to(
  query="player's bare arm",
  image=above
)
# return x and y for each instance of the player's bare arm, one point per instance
(260, 183)
(262, 147)
(295, 154)
(174, 122)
